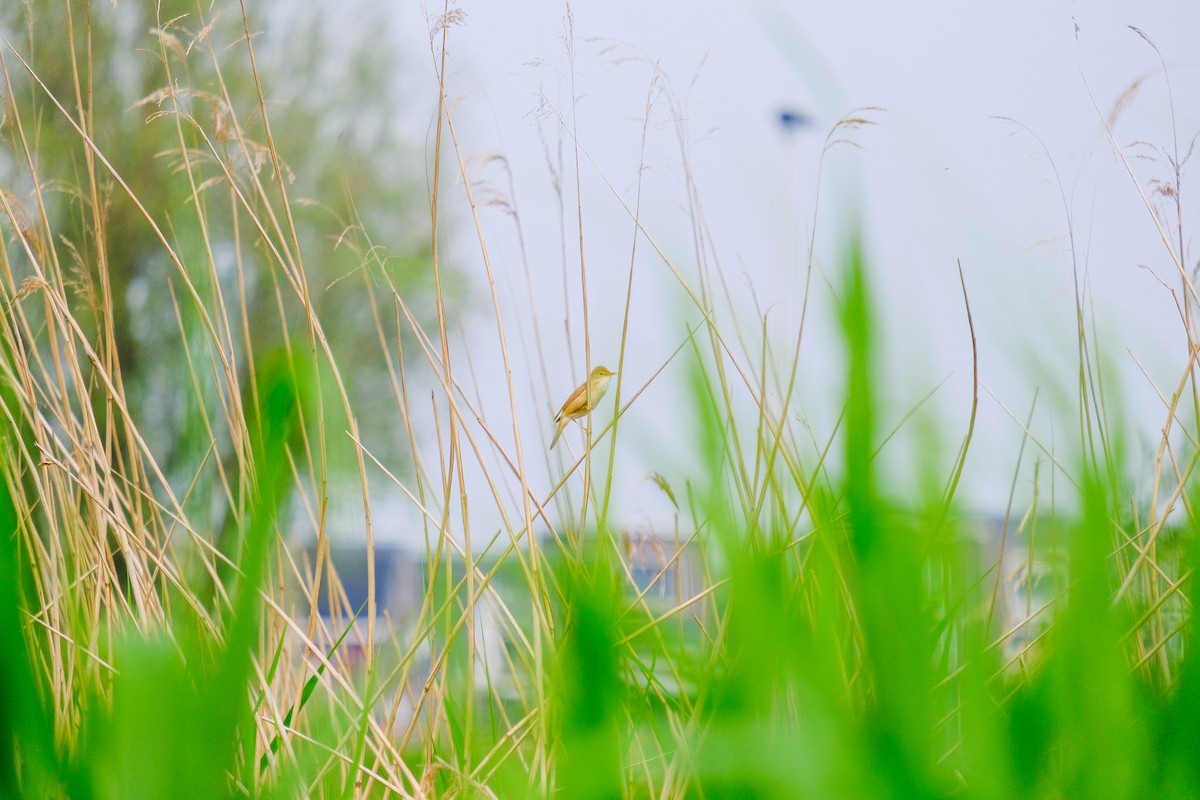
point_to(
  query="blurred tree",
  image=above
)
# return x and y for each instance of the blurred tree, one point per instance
(264, 217)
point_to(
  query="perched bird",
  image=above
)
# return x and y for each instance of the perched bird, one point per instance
(583, 400)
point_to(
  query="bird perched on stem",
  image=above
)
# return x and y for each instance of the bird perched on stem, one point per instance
(583, 400)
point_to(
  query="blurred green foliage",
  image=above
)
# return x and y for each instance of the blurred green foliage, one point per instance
(860, 662)
(167, 93)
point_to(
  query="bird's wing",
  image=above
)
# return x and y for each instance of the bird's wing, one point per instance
(573, 403)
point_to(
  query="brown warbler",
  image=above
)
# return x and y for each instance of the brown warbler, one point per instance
(583, 400)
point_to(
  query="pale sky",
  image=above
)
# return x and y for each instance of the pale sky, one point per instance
(991, 150)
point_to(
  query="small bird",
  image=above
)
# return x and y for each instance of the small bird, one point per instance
(791, 120)
(583, 400)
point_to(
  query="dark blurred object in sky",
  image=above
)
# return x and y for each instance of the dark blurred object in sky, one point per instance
(790, 120)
